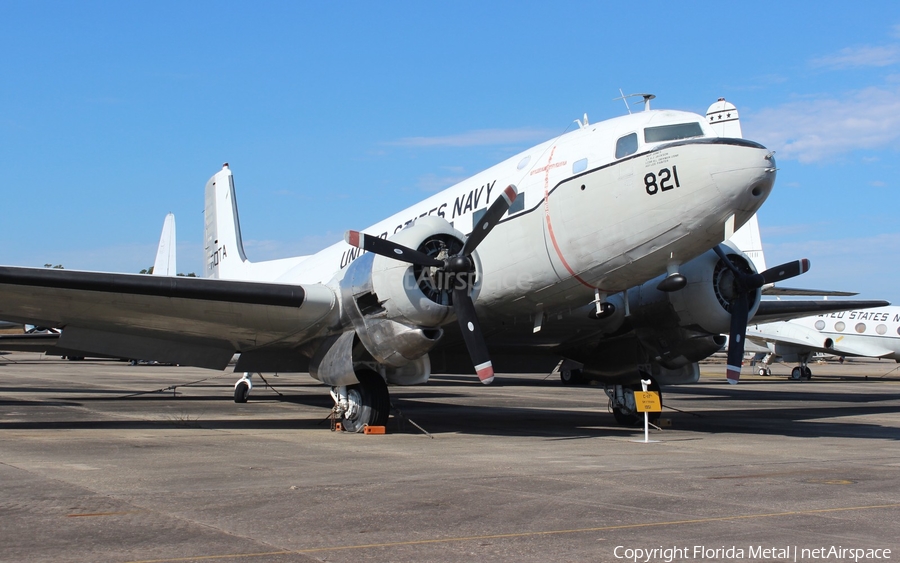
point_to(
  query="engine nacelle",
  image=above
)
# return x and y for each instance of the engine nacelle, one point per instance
(673, 330)
(703, 305)
(397, 308)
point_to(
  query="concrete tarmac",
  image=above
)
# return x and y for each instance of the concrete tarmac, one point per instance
(96, 466)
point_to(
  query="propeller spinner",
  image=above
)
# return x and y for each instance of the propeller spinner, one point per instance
(456, 269)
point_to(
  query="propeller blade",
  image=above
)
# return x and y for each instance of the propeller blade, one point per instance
(487, 222)
(384, 247)
(739, 313)
(786, 271)
(471, 331)
(721, 254)
(745, 281)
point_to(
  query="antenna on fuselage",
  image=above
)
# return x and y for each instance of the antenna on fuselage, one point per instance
(622, 97)
(646, 97)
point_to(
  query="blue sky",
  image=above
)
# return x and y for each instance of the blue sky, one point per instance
(336, 114)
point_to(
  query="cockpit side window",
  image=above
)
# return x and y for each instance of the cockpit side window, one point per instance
(626, 145)
(672, 132)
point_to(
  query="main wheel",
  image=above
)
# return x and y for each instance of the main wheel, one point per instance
(369, 402)
(571, 376)
(807, 373)
(629, 416)
(796, 374)
(241, 392)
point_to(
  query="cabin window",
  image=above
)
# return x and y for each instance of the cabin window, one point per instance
(523, 163)
(820, 325)
(579, 166)
(672, 132)
(626, 145)
(477, 215)
(860, 327)
(881, 329)
(839, 326)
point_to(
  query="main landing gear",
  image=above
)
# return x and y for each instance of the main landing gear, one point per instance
(622, 404)
(366, 403)
(801, 372)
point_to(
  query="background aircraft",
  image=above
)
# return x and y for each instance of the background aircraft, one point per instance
(45, 339)
(601, 246)
(873, 333)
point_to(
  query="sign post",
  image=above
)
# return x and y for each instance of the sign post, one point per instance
(647, 402)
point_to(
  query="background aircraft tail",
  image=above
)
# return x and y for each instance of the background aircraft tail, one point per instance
(724, 119)
(748, 240)
(164, 265)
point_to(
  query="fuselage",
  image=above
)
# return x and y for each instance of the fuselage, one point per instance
(604, 207)
(861, 332)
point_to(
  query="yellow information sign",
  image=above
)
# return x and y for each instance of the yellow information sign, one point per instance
(647, 401)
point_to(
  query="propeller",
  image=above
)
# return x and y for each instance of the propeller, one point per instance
(456, 269)
(744, 285)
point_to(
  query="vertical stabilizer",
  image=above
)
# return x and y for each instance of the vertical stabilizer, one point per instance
(164, 265)
(225, 257)
(748, 240)
(723, 117)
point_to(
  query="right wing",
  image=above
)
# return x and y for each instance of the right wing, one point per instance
(191, 321)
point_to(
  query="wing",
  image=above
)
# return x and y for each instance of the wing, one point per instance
(783, 291)
(771, 311)
(191, 321)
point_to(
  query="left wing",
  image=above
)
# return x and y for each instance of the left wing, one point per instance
(192, 321)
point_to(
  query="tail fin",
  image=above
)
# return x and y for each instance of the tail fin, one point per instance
(225, 256)
(165, 255)
(724, 119)
(748, 240)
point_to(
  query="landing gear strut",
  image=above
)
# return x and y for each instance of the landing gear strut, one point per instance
(366, 403)
(621, 401)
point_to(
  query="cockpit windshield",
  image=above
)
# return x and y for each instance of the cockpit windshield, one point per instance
(672, 132)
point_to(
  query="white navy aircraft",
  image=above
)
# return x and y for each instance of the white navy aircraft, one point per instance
(872, 333)
(602, 246)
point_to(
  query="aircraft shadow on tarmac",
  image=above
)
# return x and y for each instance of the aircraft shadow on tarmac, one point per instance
(466, 408)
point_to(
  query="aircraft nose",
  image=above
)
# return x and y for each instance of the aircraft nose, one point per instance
(745, 173)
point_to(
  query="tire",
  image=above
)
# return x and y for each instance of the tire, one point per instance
(571, 377)
(241, 392)
(372, 401)
(796, 374)
(635, 419)
(807, 373)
